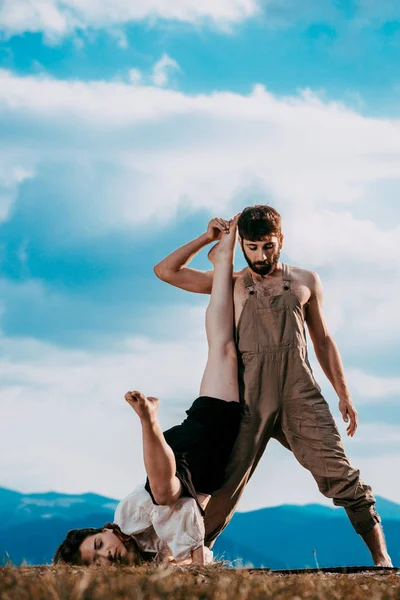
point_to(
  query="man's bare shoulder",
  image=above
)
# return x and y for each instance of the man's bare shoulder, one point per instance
(306, 277)
(238, 274)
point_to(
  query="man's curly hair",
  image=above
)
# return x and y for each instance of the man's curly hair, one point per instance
(257, 221)
(68, 551)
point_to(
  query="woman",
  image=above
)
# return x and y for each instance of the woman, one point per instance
(163, 520)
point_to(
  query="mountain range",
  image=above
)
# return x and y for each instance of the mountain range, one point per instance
(282, 537)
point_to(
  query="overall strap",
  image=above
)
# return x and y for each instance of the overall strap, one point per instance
(248, 281)
(286, 276)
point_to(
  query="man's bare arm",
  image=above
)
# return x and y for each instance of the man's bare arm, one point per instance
(328, 354)
(173, 270)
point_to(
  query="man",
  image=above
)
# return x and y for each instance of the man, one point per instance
(272, 302)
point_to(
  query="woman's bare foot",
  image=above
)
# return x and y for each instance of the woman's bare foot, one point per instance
(146, 407)
(227, 243)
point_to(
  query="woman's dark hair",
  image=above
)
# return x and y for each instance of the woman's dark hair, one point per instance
(68, 551)
(255, 222)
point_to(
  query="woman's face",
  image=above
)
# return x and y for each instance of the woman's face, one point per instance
(103, 548)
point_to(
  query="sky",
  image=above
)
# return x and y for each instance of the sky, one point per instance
(124, 128)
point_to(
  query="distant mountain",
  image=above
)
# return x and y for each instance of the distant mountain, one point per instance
(291, 536)
(32, 526)
(17, 508)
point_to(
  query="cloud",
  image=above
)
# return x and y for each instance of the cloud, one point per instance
(366, 388)
(100, 178)
(68, 408)
(162, 68)
(57, 18)
(69, 403)
(11, 177)
(304, 152)
(135, 76)
(112, 157)
(160, 73)
(372, 387)
(280, 479)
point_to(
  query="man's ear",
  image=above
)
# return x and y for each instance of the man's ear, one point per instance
(240, 242)
(281, 238)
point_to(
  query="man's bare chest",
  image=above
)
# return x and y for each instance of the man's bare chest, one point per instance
(268, 287)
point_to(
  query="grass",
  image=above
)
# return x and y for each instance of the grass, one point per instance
(190, 583)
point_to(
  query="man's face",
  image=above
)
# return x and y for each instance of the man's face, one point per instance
(262, 256)
(103, 548)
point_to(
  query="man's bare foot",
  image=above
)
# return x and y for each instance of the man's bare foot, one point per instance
(384, 562)
(146, 407)
(226, 245)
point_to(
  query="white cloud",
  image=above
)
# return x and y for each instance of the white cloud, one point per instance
(280, 479)
(57, 18)
(160, 73)
(11, 177)
(68, 409)
(372, 387)
(60, 17)
(312, 157)
(135, 76)
(339, 237)
(72, 421)
(365, 388)
(162, 69)
(317, 161)
(121, 39)
(361, 311)
(323, 165)
(35, 15)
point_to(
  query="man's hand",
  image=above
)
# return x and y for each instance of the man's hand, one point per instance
(348, 411)
(216, 227)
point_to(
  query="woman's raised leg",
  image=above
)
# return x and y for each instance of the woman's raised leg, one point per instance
(159, 459)
(220, 378)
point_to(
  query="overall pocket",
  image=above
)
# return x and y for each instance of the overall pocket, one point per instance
(274, 325)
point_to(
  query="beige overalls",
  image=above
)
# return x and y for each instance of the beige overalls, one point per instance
(284, 402)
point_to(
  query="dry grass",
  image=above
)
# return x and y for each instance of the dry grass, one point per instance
(204, 583)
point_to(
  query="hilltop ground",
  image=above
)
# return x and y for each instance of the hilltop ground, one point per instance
(205, 583)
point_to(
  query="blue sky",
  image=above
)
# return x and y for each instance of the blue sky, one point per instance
(335, 47)
(122, 132)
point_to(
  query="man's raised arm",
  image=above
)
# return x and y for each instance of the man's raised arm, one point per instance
(173, 270)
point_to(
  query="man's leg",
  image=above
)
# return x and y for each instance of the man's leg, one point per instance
(159, 459)
(314, 439)
(220, 379)
(376, 543)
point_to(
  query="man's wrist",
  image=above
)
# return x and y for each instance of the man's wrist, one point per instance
(345, 398)
(205, 238)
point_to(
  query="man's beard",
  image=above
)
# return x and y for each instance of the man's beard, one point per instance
(266, 267)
